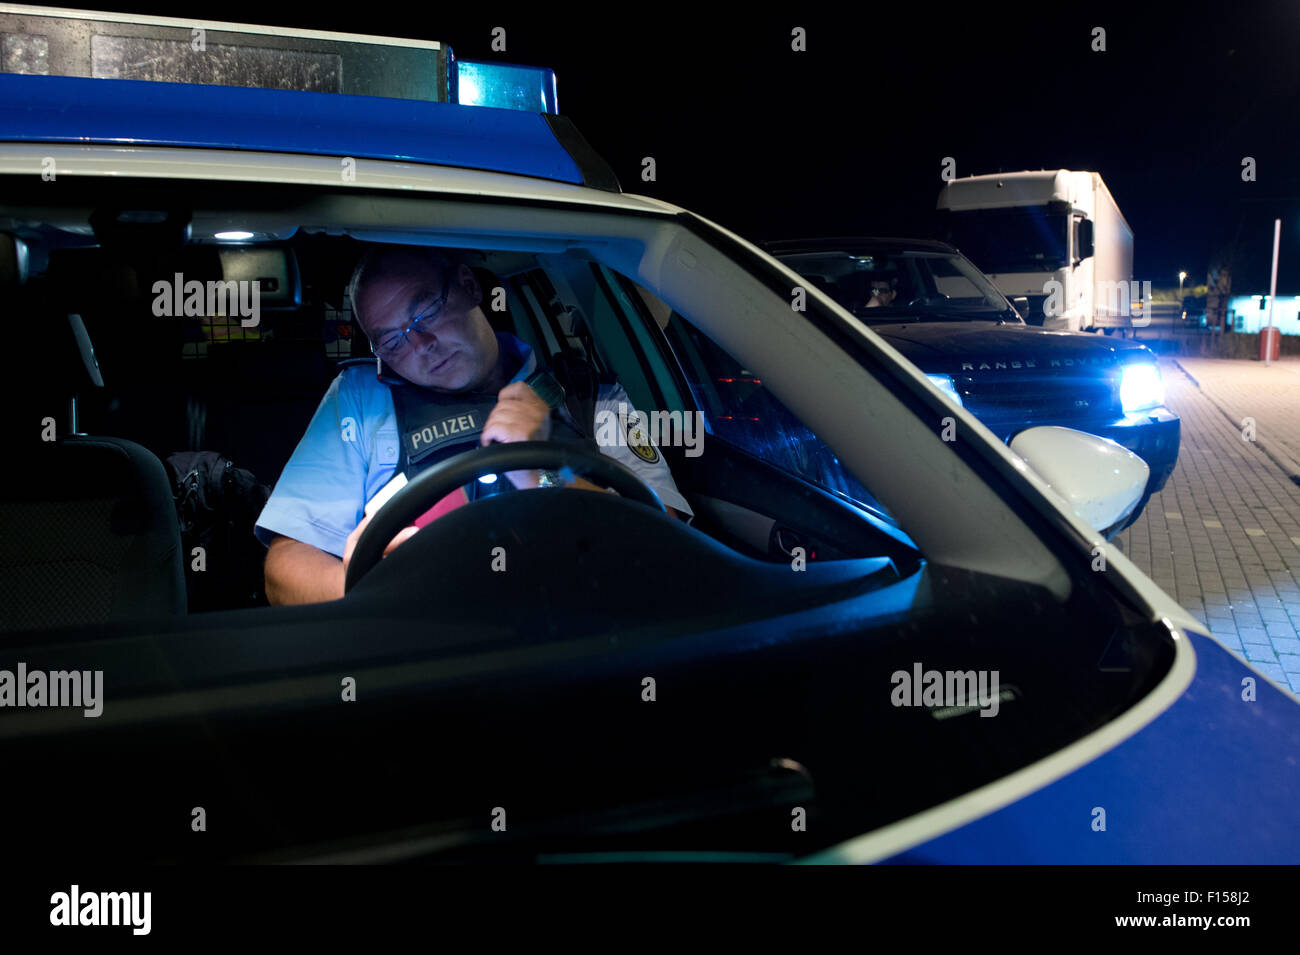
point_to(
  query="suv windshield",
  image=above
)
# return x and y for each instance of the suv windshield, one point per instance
(898, 284)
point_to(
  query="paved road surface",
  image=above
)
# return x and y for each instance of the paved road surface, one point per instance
(1223, 537)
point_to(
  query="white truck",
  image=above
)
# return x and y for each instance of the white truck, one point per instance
(1053, 237)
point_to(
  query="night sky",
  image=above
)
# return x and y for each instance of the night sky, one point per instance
(848, 137)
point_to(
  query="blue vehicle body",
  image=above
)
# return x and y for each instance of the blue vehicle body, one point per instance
(1211, 781)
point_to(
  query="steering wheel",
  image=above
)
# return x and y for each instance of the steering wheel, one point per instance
(437, 482)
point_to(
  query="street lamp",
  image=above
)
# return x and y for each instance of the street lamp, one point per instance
(1181, 276)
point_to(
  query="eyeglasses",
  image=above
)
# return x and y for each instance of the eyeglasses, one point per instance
(395, 343)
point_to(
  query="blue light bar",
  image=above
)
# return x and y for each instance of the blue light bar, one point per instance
(73, 109)
(504, 85)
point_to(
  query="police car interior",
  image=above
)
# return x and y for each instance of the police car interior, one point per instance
(757, 624)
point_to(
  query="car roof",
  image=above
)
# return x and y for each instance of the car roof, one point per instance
(778, 247)
(161, 164)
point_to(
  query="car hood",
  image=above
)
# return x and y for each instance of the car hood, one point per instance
(1211, 781)
(946, 347)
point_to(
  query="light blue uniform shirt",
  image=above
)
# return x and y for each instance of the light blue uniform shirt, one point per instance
(352, 447)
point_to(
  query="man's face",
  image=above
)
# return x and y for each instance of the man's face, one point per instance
(882, 292)
(453, 347)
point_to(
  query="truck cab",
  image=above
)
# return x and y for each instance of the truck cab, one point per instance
(1053, 237)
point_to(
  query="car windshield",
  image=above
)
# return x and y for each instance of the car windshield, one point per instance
(196, 375)
(900, 285)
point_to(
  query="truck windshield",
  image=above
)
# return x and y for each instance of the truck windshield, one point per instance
(1011, 240)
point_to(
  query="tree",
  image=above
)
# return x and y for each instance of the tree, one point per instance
(1219, 280)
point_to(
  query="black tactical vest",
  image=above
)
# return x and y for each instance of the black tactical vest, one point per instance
(433, 426)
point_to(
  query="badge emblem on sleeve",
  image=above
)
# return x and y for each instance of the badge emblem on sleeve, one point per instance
(638, 441)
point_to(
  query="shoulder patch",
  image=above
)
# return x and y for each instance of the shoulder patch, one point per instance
(637, 439)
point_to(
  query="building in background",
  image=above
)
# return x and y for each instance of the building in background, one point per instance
(1249, 313)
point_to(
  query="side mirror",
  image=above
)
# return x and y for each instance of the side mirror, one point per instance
(1098, 479)
(1021, 304)
(1083, 246)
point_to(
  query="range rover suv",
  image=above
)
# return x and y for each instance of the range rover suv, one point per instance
(935, 307)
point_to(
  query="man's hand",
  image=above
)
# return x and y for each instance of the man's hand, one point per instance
(404, 534)
(298, 573)
(520, 415)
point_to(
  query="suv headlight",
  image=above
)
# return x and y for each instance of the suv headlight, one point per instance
(1140, 387)
(946, 385)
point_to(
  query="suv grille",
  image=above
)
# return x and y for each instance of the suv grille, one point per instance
(1008, 403)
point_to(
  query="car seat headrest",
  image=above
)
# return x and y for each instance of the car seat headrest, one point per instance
(82, 367)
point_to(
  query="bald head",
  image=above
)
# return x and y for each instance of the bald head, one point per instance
(453, 348)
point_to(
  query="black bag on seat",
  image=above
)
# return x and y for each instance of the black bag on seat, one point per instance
(217, 505)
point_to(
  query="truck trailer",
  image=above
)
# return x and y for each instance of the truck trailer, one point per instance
(1053, 237)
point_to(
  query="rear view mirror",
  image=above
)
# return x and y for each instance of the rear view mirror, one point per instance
(1021, 304)
(1096, 478)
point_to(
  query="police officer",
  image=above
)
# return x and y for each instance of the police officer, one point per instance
(449, 384)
